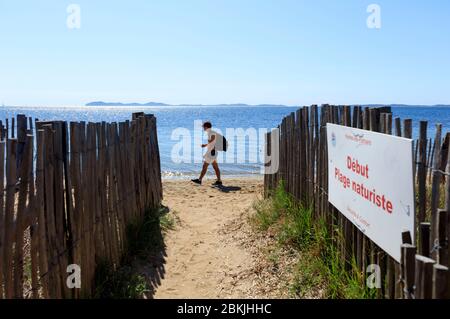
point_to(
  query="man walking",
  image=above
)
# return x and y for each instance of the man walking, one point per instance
(210, 157)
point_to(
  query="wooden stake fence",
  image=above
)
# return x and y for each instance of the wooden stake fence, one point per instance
(67, 193)
(304, 171)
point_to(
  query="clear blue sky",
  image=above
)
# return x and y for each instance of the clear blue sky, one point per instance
(225, 51)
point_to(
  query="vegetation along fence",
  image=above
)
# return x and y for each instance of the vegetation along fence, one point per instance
(423, 271)
(68, 191)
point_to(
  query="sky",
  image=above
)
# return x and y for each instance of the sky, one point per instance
(292, 52)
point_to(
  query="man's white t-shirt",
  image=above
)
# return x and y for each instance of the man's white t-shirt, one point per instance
(211, 133)
(211, 152)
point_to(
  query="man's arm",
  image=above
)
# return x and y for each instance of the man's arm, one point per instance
(213, 138)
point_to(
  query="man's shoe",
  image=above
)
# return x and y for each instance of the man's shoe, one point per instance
(197, 181)
(218, 183)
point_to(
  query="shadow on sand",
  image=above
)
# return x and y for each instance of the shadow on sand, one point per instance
(227, 189)
(143, 266)
(151, 261)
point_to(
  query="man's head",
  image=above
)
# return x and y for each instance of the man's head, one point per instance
(207, 126)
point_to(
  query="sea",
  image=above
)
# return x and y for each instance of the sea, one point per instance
(180, 135)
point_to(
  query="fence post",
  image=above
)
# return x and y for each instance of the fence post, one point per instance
(2, 212)
(59, 208)
(424, 271)
(407, 124)
(68, 204)
(435, 185)
(441, 288)
(55, 285)
(21, 137)
(40, 206)
(441, 237)
(408, 269)
(11, 179)
(24, 174)
(424, 239)
(422, 172)
(447, 195)
(398, 127)
(77, 208)
(266, 160)
(32, 220)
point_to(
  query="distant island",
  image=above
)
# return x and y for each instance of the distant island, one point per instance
(406, 105)
(101, 103)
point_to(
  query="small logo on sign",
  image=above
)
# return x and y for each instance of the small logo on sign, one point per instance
(358, 138)
(333, 139)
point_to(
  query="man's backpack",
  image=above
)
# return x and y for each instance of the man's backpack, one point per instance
(222, 145)
(225, 144)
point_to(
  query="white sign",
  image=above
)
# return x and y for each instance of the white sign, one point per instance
(370, 181)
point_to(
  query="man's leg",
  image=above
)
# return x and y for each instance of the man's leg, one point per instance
(217, 170)
(204, 170)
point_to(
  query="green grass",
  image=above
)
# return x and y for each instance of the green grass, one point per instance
(294, 222)
(320, 266)
(120, 284)
(145, 237)
(167, 221)
(441, 199)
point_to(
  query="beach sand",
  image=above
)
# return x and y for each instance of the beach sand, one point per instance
(211, 252)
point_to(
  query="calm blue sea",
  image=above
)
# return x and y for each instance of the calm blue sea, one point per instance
(175, 124)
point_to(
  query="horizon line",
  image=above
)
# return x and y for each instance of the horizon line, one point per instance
(160, 104)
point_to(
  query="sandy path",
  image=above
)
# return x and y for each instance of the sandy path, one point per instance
(205, 255)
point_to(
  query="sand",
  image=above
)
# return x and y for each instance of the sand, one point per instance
(210, 253)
